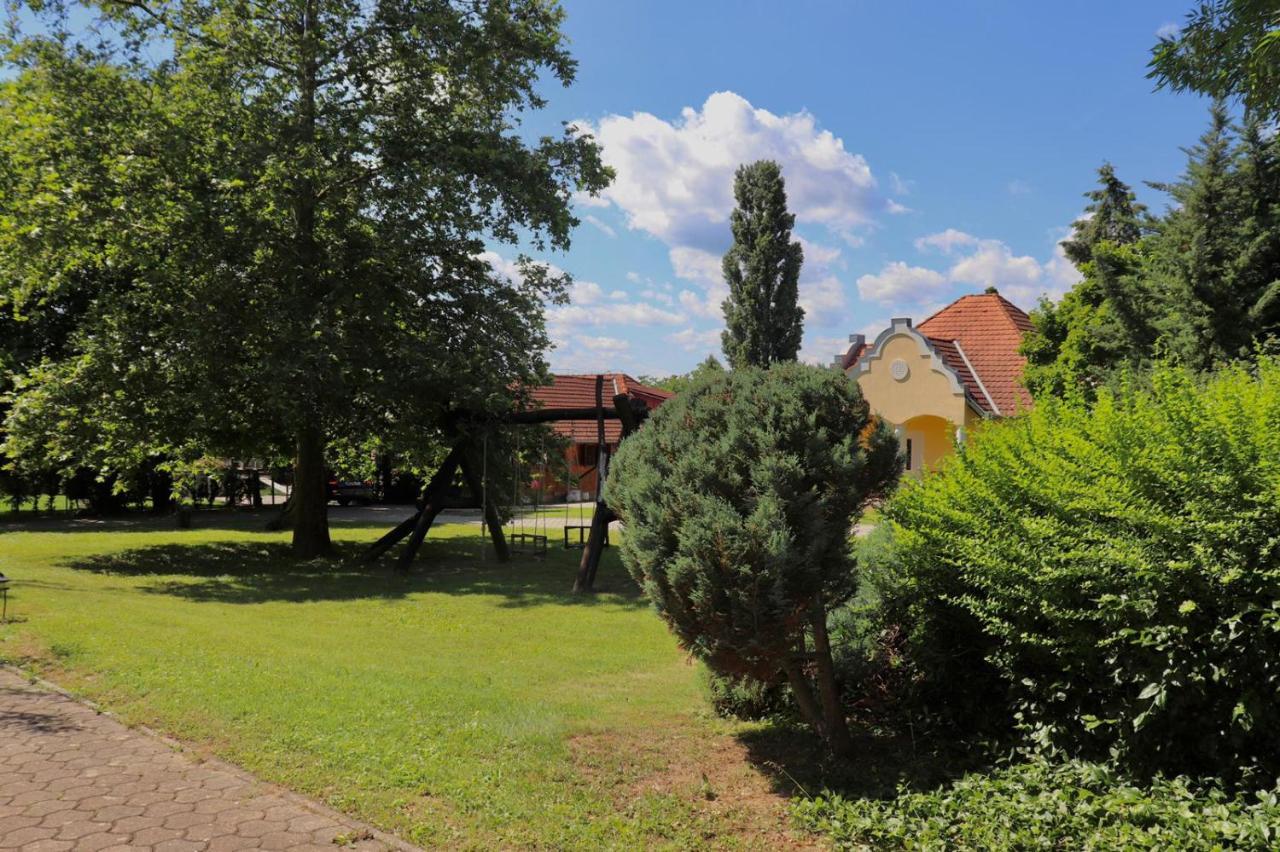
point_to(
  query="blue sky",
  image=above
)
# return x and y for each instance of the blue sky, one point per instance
(930, 149)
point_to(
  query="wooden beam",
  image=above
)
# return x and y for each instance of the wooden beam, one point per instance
(439, 480)
(590, 564)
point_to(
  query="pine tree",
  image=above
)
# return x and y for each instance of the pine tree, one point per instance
(1197, 251)
(1258, 264)
(1107, 319)
(764, 322)
(1113, 214)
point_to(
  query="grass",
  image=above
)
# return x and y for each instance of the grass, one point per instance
(466, 705)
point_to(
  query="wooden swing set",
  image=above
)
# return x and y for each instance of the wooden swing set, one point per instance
(467, 451)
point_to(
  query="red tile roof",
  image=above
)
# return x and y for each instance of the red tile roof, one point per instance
(950, 352)
(988, 328)
(579, 391)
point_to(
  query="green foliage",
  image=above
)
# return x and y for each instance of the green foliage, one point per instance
(1115, 567)
(1045, 806)
(1226, 48)
(764, 322)
(680, 382)
(742, 697)
(1199, 284)
(738, 496)
(271, 220)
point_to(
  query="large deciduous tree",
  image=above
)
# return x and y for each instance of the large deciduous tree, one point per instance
(1226, 48)
(764, 322)
(276, 212)
(739, 497)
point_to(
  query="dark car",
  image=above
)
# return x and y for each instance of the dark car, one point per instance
(348, 491)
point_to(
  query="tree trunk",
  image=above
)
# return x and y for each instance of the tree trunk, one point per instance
(832, 708)
(804, 695)
(308, 507)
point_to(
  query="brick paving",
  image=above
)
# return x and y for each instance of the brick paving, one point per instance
(74, 779)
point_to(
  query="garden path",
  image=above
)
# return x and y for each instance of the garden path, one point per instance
(74, 778)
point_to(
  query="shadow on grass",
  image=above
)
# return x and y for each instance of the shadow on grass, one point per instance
(798, 764)
(259, 572)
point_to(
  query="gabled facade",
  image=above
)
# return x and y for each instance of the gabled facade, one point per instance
(935, 380)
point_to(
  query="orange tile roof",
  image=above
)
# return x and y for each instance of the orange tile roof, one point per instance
(950, 352)
(579, 391)
(989, 328)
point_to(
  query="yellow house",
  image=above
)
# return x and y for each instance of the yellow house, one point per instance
(934, 380)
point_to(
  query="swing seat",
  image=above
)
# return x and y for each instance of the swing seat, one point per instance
(528, 544)
(583, 532)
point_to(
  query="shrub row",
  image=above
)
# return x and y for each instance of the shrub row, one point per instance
(1107, 576)
(1051, 806)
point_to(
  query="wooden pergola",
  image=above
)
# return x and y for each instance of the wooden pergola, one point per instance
(631, 412)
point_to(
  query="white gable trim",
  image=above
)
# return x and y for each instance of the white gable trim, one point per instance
(902, 326)
(994, 408)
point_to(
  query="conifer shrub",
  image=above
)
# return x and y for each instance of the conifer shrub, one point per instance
(739, 497)
(1109, 576)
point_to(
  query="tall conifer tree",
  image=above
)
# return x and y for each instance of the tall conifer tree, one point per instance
(764, 321)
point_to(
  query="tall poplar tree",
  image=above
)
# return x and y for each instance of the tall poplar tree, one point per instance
(282, 234)
(764, 322)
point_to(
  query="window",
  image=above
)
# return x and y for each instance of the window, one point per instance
(588, 455)
(909, 453)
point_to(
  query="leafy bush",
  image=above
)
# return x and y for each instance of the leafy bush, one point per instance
(742, 697)
(1041, 805)
(1118, 567)
(739, 496)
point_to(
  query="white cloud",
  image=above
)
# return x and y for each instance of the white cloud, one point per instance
(707, 304)
(675, 178)
(621, 313)
(696, 340)
(945, 241)
(822, 300)
(603, 344)
(697, 265)
(821, 351)
(1168, 30)
(585, 293)
(818, 257)
(898, 282)
(899, 185)
(897, 209)
(604, 227)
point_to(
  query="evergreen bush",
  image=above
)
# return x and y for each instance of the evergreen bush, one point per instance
(739, 497)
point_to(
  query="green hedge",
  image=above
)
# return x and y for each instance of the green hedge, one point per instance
(1110, 576)
(1040, 805)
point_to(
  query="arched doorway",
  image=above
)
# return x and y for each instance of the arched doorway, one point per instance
(926, 440)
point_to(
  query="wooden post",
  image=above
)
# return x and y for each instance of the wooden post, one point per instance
(590, 563)
(439, 481)
(586, 579)
(491, 520)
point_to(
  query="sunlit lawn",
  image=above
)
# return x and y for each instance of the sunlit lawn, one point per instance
(466, 705)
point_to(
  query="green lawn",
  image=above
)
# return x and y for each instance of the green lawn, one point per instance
(469, 704)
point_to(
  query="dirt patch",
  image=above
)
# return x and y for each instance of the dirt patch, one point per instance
(734, 803)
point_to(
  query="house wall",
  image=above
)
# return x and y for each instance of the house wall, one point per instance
(927, 390)
(926, 406)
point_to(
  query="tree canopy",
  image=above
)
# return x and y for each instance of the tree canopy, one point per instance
(764, 322)
(1199, 283)
(1226, 48)
(271, 219)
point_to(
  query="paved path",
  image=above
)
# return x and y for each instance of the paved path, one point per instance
(74, 779)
